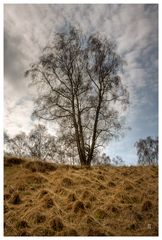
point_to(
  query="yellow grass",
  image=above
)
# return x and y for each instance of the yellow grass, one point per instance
(51, 200)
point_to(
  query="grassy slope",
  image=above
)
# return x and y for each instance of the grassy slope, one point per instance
(69, 201)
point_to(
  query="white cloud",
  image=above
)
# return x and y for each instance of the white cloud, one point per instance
(17, 111)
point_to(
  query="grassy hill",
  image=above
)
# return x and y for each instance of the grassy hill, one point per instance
(43, 199)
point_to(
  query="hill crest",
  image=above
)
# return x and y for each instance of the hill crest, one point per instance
(45, 199)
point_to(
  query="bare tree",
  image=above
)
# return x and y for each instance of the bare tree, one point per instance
(101, 159)
(117, 161)
(16, 145)
(147, 151)
(38, 143)
(105, 159)
(41, 144)
(78, 84)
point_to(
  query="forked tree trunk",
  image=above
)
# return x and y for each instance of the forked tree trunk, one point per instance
(91, 152)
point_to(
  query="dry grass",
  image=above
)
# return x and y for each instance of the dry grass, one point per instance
(42, 199)
(38, 166)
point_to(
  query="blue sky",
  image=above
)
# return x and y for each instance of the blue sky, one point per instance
(28, 28)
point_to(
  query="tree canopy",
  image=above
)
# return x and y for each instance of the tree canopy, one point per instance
(147, 151)
(78, 87)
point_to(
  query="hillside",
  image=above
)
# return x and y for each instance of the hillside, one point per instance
(43, 199)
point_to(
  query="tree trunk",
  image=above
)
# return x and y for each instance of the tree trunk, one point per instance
(81, 137)
(90, 155)
(77, 136)
(80, 152)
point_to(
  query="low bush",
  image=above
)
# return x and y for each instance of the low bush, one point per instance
(56, 224)
(79, 206)
(15, 199)
(147, 206)
(39, 166)
(11, 161)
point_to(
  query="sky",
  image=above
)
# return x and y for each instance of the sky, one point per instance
(29, 28)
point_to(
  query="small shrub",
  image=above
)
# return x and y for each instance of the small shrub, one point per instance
(8, 162)
(133, 226)
(101, 177)
(79, 206)
(138, 216)
(112, 209)
(57, 224)
(111, 184)
(15, 199)
(147, 205)
(39, 218)
(22, 224)
(38, 166)
(87, 205)
(72, 197)
(48, 202)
